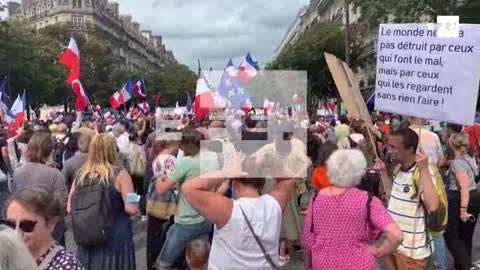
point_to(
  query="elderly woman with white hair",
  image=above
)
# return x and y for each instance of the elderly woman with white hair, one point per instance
(13, 252)
(343, 223)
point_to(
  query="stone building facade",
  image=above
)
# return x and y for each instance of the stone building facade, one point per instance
(133, 48)
(334, 10)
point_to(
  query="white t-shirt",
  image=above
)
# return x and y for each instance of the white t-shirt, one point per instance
(234, 247)
(403, 209)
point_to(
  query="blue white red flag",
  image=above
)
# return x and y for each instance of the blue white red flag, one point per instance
(203, 98)
(230, 69)
(17, 113)
(144, 107)
(139, 88)
(247, 70)
(116, 100)
(127, 91)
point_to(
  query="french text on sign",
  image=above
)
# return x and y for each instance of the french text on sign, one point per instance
(420, 73)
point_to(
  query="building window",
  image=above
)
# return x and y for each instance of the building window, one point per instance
(78, 21)
(77, 3)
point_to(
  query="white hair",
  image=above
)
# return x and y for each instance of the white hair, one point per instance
(346, 167)
(118, 129)
(13, 252)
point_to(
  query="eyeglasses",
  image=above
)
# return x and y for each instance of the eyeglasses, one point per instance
(25, 225)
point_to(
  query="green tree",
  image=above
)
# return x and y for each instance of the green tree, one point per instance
(307, 53)
(31, 63)
(172, 84)
(373, 12)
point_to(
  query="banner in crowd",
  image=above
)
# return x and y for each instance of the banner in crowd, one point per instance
(423, 75)
(348, 88)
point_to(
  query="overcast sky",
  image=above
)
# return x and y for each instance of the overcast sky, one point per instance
(215, 30)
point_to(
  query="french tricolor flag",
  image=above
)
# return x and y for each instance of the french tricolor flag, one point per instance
(71, 60)
(116, 100)
(203, 98)
(17, 112)
(230, 69)
(127, 91)
(247, 70)
(139, 88)
(82, 101)
(144, 107)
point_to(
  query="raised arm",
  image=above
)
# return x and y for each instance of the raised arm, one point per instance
(430, 195)
(214, 207)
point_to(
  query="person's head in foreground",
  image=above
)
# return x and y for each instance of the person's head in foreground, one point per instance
(34, 214)
(346, 168)
(197, 254)
(363, 217)
(13, 253)
(403, 145)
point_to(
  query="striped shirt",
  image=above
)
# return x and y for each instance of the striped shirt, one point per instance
(411, 221)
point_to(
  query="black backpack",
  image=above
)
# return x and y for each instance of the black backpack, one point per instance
(92, 215)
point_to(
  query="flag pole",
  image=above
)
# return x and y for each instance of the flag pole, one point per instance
(145, 86)
(199, 68)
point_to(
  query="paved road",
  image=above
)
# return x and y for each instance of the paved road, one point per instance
(140, 238)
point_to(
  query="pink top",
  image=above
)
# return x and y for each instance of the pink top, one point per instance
(340, 237)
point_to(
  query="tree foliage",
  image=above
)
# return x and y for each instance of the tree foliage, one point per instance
(307, 53)
(173, 83)
(373, 12)
(30, 61)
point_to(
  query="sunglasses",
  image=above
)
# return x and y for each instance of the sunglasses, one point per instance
(25, 225)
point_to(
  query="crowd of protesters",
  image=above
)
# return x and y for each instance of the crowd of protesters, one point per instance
(241, 191)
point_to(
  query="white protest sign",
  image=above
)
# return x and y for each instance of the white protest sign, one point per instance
(420, 74)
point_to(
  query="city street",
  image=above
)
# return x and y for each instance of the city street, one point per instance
(140, 238)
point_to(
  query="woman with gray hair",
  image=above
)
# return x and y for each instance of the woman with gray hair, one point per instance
(13, 252)
(343, 222)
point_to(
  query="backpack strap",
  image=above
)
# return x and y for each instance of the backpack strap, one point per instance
(313, 200)
(259, 242)
(369, 210)
(396, 170)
